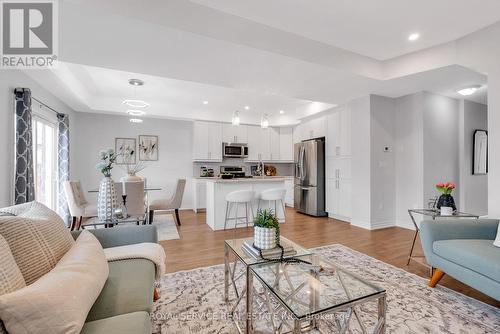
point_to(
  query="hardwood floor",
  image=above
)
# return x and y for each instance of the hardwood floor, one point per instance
(199, 246)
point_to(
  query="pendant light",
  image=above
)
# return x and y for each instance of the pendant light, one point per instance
(264, 121)
(236, 118)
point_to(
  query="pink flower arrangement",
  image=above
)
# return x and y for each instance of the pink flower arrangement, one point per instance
(445, 188)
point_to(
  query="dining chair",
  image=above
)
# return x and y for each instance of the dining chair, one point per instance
(78, 205)
(173, 203)
(136, 204)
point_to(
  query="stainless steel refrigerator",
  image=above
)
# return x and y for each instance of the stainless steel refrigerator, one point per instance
(309, 184)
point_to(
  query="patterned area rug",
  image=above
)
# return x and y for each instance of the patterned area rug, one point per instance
(193, 301)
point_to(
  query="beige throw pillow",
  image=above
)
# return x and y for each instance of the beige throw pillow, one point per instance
(11, 278)
(58, 303)
(37, 238)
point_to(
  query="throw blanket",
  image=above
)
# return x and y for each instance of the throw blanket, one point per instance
(147, 250)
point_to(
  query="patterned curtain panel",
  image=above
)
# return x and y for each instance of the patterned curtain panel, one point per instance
(24, 187)
(63, 165)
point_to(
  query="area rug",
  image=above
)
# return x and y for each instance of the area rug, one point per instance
(192, 301)
(165, 225)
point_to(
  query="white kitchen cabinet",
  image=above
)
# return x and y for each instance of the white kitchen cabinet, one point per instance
(207, 141)
(289, 196)
(338, 198)
(274, 144)
(286, 144)
(255, 143)
(234, 133)
(200, 194)
(338, 137)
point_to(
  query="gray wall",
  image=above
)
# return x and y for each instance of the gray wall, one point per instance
(98, 131)
(473, 188)
(10, 79)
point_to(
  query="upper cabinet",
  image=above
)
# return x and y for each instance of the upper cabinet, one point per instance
(269, 145)
(338, 138)
(234, 133)
(286, 144)
(311, 128)
(207, 141)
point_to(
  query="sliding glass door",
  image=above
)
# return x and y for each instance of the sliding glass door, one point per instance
(45, 161)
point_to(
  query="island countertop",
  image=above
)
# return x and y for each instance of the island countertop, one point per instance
(248, 179)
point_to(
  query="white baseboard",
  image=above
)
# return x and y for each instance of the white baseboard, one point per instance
(339, 217)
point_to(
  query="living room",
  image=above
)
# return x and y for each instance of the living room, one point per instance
(259, 167)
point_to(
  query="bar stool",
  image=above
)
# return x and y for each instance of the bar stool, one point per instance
(273, 195)
(244, 197)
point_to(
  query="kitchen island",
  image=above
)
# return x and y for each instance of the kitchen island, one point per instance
(217, 189)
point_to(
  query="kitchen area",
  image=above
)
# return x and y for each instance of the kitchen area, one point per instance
(229, 158)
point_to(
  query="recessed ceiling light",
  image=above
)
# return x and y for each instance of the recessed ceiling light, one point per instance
(247, 107)
(136, 112)
(468, 90)
(136, 103)
(414, 37)
(205, 102)
(135, 120)
(136, 82)
(282, 112)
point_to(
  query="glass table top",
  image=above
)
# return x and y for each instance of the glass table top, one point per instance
(308, 289)
(237, 246)
(132, 219)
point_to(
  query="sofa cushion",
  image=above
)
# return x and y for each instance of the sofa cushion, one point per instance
(129, 288)
(131, 323)
(477, 255)
(37, 238)
(11, 278)
(58, 302)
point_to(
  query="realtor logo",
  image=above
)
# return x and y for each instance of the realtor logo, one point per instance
(29, 34)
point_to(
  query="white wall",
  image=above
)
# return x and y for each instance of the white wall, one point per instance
(441, 144)
(383, 181)
(10, 79)
(408, 156)
(494, 142)
(360, 163)
(473, 188)
(98, 131)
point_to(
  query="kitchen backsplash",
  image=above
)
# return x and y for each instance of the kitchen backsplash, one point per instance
(283, 169)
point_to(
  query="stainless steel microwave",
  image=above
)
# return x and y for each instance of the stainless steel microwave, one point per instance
(231, 150)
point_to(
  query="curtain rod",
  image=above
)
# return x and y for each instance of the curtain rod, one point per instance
(46, 106)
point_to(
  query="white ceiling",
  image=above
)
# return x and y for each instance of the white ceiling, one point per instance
(377, 29)
(188, 52)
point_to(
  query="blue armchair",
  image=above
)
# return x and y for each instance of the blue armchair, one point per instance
(464, 250)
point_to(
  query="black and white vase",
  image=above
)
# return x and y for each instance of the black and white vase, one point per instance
(106, 200)
(264, 238)
(446, 201)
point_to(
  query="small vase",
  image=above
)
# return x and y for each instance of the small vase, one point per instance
(106, 200)
(446, 200)
(264, 238)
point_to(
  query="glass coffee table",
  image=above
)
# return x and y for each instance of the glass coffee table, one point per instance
(233, 252)
(296, 297)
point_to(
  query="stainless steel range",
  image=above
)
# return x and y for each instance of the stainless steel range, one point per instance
(236, 171)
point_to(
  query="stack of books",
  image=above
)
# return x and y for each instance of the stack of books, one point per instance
(273, 253)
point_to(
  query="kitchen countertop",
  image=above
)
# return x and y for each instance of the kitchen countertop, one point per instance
(246, 180)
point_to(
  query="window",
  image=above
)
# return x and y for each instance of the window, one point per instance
(45, 157)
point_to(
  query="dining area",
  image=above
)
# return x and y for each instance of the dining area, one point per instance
(119, 203)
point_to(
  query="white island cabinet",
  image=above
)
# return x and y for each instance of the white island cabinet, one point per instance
(217, 189)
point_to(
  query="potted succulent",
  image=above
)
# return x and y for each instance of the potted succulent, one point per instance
(106, 199)
(266, 230)
(446, 203)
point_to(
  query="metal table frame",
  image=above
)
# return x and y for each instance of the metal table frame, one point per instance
(230, 280)
(311, 319)
(433, 214)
